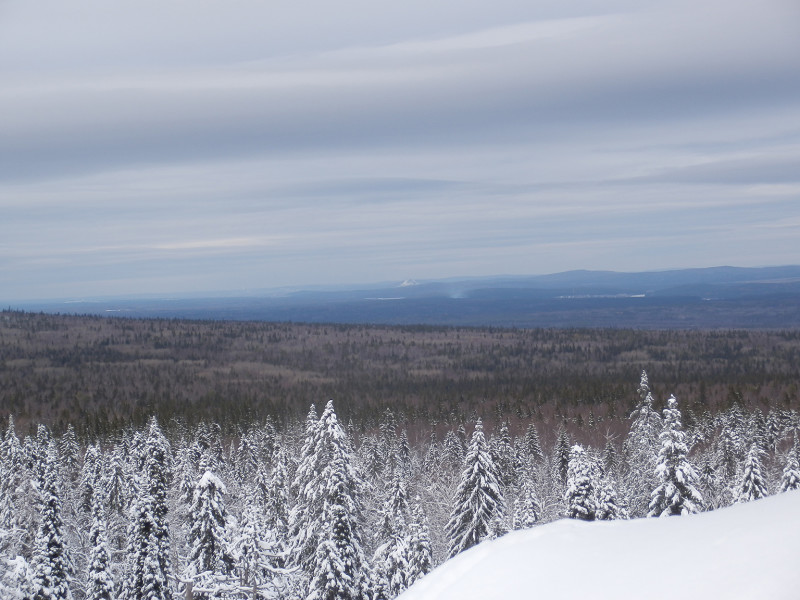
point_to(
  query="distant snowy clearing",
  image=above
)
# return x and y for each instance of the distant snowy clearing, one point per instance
(746, 551)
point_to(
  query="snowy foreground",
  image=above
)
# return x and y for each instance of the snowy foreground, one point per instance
(746, 551)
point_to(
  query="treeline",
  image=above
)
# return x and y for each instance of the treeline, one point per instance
(104, 373)
(321, 507)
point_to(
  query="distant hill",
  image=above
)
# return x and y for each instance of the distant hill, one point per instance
(718, 297)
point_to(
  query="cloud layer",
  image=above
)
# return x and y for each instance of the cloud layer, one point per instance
(168, 147)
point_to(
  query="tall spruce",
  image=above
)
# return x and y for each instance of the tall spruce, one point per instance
(148, 550)
(51, 565)
(325, 522)
(100, 582)
(790, 480)
(675, 493)
(338, 570)
(209, 559)
(752, 485)
(580, 498)
(478, 503)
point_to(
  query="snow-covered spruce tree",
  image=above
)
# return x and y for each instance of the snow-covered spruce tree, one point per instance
(304, 516)
(391, 557)
(51, 566)
(325, 477)
(209, 559)
(505, 456)
(256, 549)
(478, 501)
(752, 485)
(453, 452)
(676, 493)
(580, 497)
(641, 449)
(420, 557)
(147, 567)
(100, 583)
(277, 499)
(69, 451)
(338, 567)
(791, 472)
(90, 480)
(115, 482)
(532, 445)
(527, 508)
(561, 452)
(610, 458)
(609, 506)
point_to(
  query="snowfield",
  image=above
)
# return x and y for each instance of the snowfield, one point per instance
(747, 551)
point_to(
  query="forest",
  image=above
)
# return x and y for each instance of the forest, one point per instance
(102, 374)
(318, 508)
(165, 459)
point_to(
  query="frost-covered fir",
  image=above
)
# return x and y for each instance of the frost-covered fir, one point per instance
(527, 508)
(326, 520)
(209, 560)
(478, 503)
(580, 497)
(51, 565)
(641, 448)
(790, 480)
(99, 577)
(676, 493)
(752, 485)
(148, 565)
(339, 567)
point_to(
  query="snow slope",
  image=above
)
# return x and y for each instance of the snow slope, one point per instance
(748, 551)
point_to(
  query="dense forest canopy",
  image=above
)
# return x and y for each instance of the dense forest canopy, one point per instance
(161, 458)
(104, 373)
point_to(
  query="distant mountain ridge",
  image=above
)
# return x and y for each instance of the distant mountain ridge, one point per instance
(716, 297)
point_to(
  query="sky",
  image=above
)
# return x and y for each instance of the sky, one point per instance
(188, 146)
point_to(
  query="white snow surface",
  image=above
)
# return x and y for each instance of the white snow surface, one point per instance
(747, 551)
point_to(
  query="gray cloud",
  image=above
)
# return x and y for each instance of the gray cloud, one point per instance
(308, 143)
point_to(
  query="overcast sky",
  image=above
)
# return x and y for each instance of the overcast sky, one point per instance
(187, 145)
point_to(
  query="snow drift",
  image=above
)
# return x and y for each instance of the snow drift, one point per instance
(746, 551)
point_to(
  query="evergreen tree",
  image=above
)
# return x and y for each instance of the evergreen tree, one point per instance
(69, 451)
(580, 497)
(147, 554)
(675, 493)
(51, 565)
(478, 501)
(641, 448)
(453, 450)
(505, 457)
(752, 485)
(326, 480)
(420, 557)
(609, 506)
(561, 453)
(90, 476)
(391, 557)
(338, 569)
(527, 508)
(209, 556)
(532, 444)
(256, 548)
(100, 584)
(791, 472)
(610, 458)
